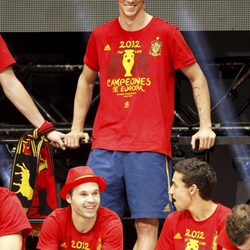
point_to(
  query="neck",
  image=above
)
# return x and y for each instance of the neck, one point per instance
(135, 23)
(202, 210)
(82, 224)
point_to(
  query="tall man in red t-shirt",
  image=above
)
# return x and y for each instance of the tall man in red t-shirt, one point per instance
(137, 56)
(83, 224)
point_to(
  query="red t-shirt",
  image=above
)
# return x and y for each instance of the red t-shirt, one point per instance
(6, 58)
(12, 216)
(137, 78)
(224, 240)
(59, 232)
(181, 231)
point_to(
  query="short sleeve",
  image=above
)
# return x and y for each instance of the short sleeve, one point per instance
(181, 54)
(6, 59)
(91, 55)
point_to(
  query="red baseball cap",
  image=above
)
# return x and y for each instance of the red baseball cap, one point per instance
(80, 175)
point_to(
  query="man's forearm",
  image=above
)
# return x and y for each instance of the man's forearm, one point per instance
(202, 101)
(18, 95)
(82, 102)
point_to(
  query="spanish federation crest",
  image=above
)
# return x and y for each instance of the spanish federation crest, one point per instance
(155, 49)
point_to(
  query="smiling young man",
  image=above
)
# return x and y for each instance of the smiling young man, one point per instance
(198, 220)
(83, 224)
(137, 56)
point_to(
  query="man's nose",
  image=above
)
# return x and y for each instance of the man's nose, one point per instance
(90, 198)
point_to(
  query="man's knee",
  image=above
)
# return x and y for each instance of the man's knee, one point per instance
(147, 226)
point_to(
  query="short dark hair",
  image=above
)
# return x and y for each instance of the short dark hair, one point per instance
(238, 224)
(197, 172)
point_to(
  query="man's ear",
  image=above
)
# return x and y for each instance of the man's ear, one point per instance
(193, 189)
(68, 198)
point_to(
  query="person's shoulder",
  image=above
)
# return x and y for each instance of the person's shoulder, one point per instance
(177, 215)
(4, 190)
(108, 220)
(59, 214)
(164, 25)
(221, 214)
(61, 211)
(223, 209)
(5, 193)
(106, 26)
(107, 214)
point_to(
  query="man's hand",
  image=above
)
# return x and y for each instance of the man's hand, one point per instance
(55, 138)
(206, 138)
(72, 139)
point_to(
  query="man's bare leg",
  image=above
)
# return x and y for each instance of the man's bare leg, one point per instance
(147, 234)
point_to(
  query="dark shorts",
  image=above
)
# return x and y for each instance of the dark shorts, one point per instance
(138, 179)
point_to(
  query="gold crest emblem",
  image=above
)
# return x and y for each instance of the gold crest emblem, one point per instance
(155, 49)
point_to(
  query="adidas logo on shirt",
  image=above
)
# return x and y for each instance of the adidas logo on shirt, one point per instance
(178, 236)
(107, 48)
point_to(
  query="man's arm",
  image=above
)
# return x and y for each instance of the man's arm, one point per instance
(12, 241)
(82, 102)
(18, 95)
(205, 135)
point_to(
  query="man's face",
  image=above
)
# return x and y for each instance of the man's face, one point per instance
(130, 8)
(180, 193)
(245, 246)
(85, 200)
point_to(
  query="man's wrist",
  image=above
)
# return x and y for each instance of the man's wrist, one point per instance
(45, 128)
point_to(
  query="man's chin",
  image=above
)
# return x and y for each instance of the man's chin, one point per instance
(177, 207)
(90, 214)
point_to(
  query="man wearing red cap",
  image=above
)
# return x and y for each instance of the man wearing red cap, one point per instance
(83, 224)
